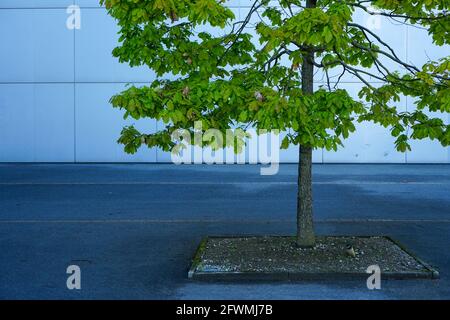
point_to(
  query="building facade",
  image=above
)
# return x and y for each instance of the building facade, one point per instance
(57, 75)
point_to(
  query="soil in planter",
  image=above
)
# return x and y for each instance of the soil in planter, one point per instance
(279, 254)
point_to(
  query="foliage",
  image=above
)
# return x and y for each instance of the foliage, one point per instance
(211, 68)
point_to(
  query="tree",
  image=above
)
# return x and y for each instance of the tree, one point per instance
(211, 68)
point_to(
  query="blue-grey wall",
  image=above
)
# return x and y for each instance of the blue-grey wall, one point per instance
(55, 84)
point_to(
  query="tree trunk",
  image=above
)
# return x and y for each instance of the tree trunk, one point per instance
(305, 225)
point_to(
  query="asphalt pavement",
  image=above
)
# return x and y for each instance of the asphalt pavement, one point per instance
(133, 228)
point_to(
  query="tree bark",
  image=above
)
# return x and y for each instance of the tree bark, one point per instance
(305, 224)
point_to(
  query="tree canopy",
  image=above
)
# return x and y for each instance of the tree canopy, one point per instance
(231, 72)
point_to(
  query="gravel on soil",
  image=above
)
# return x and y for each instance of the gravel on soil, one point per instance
(279, 254)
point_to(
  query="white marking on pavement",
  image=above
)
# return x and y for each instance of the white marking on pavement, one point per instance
(162, 221)
(220, 183)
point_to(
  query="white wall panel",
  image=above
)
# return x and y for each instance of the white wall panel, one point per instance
(420, 51)
(36, 46)
(93, 58)
(369, 143)
(38, 50)
(394, 35)
(98, 126)
(35, 3)
(428, 151)
(88, 3)
(36, 123)
(421, 48)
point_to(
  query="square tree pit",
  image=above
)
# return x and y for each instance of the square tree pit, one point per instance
(277, 258)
